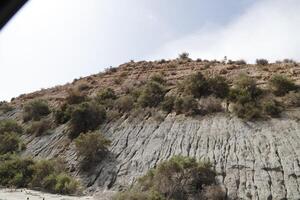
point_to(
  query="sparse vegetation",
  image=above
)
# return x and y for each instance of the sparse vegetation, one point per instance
(35, 110)
(5, 107)
(75, 97)
(180, 178)
(125, 103)
(186, 105)
(168, 103)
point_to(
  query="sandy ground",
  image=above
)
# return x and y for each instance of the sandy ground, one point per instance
(23, 194)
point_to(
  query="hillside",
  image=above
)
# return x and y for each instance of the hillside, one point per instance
(251, 141)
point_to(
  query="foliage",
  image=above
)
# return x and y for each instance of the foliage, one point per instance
(9, 142)
(271, 108)
(105, 94)
(247, 111)
(186, 104)
(292, 99)
(184, 56)
(92, 145)
(281, 85)
(85, 117)
(35, 110)
(39, 128)
(46, 174)
(124, 103)
(8, 125)
(5, 107)
(75, 97)
(262, 61)
(195, 85)
(168, 103)
(152, 94)
(218, 86)
(179, 178)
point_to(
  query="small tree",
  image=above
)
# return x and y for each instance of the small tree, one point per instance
(85, 117)
(91, 146)
(184, 56)
(195, 84)
(152, 94)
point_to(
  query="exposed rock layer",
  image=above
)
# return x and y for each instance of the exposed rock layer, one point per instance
(258, 160)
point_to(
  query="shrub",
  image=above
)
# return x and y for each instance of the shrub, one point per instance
(46, 174)
(91, 146)
(152, 94)
(247, 111)
(179, 178)
(65, 184)
(186, 104)
(85, 117)
(107, 93)
(5, 107)
(271, 108)
(292, 99)
(9, 125)
(211, 104)
(218, 86)
(16, 171)
(168, 103)
(34, 110)
(9, 142)
(158, 79)
(240, 62)
(39, 128)
(83, 87)
(75, 97)
(281, 85)
(262, 61)
(124, 103)
(195, 85)
(184, 56)
(245, 90)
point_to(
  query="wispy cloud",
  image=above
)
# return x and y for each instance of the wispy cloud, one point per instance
(269, 29)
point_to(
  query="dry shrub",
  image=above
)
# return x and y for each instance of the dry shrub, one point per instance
(211, 104)
(292, 99)
(39, 128)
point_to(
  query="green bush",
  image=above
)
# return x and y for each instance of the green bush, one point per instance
(195, 85)
(39, 128)
(218, 86)
(152, 94)
(65, 184)
(9, 142)
(35, 110)
(92, 146)
(86, 117)
(281, 85)
(179, 178)
(8, 125)
(158, 79)
(168, 103)
(45, 174)
(262, 61)
(186, 105)
(16, 172)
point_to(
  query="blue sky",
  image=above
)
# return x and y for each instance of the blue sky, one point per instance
(51, 42)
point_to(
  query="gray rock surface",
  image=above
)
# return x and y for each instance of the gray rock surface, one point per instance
(254, 160)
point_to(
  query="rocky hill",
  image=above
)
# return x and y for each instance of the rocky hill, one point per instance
(253, 158)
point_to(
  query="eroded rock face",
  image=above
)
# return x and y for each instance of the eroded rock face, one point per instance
(254, 160)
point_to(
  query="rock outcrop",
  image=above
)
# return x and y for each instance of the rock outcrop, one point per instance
(254, 160)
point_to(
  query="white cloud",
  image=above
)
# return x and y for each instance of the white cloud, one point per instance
(269, 29)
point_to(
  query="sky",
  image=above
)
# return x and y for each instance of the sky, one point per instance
(51, 42)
